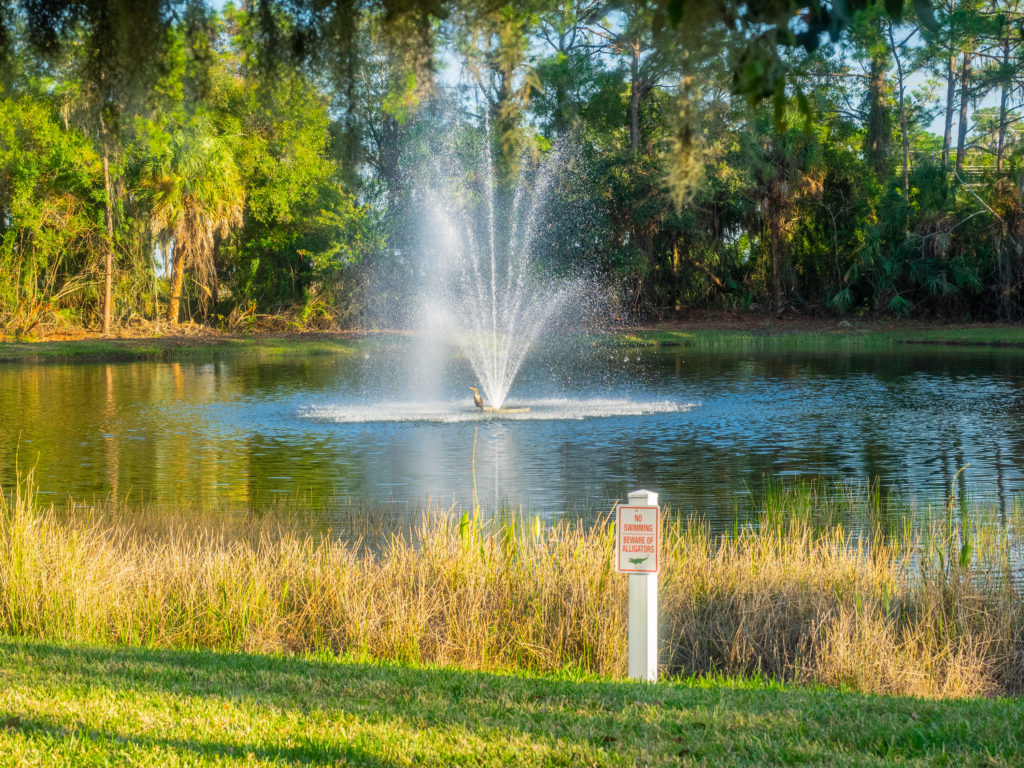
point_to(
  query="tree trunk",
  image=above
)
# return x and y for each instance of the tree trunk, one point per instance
(155, 274)
(634, 97)
(177, 282)
(1003, 97)
(961, 137)
(562, 92)
(879, 134)
(390, 159)
(903, 115)
(351, 143)
(947, 136)
(906, 143)
(775, 243)
(561, 106)
(506, 118)
(108, 245)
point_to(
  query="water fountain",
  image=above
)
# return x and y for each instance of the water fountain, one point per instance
(485, 291)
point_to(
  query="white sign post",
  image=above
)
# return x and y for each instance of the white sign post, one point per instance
(637, 553)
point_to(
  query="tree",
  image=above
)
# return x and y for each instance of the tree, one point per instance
(901, 74)
(651, 58)
(495, 44)
(118, 48)
(194, 192)
(783, 169)
(48, 208)
(301, 232)
(569, 30)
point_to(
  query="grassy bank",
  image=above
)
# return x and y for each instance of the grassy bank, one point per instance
(826, 337)
(69, 705)
(746, 335)
(178, 348)
(931, 612)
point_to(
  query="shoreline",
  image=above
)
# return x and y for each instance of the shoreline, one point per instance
(699, 330)
(788, 596)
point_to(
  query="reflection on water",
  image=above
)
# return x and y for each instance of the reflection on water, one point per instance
(703, 429)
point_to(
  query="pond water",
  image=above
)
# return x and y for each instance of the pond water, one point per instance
(391, 427)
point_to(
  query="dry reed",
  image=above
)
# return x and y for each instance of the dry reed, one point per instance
(934, 612)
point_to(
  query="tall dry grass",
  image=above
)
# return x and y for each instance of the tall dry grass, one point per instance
(933, 612)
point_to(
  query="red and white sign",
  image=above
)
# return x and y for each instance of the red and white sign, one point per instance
(637, 539)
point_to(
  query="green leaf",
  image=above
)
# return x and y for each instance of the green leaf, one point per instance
(899, 305)
(965, 554)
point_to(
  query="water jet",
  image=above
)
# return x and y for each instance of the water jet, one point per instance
(486, 292)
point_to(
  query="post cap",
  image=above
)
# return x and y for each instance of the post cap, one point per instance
(643, 498)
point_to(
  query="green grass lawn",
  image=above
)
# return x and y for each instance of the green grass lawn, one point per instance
(83, 706)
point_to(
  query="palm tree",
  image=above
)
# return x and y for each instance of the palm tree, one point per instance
(784, 170)
(194, 191)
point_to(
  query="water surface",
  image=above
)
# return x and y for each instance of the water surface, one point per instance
(392, 427)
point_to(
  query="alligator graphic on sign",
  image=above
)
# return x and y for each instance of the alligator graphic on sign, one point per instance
(637, 560)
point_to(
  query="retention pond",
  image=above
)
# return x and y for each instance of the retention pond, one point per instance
(377, 426)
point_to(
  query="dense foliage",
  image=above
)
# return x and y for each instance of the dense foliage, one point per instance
(255, 165)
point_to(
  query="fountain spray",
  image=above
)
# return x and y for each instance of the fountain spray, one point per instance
(487, 293)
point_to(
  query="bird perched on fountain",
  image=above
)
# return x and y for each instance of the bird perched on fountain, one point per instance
(477, 400)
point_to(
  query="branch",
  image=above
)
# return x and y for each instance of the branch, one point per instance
(976, 197)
